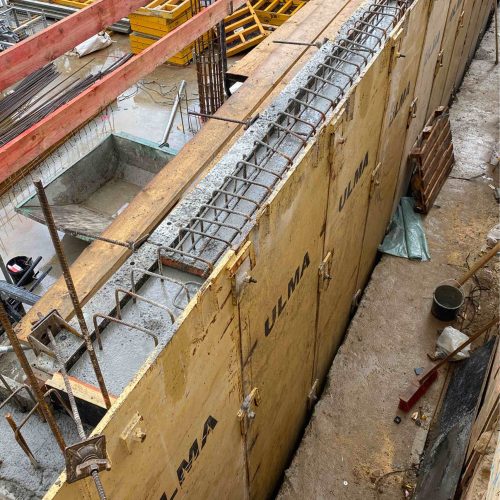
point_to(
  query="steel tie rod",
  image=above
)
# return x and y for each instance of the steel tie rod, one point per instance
(305, 44)
(246, 123)
(74, 410)
(49, 219)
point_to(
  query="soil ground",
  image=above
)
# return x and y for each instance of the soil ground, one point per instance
(352, 448)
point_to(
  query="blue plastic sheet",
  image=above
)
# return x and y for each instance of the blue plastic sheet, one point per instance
(406, 237)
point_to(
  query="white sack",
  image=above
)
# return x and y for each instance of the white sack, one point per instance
(449, 340)
(94, 43)
(493, 237)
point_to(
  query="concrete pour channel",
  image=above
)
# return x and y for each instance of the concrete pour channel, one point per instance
(226, 202)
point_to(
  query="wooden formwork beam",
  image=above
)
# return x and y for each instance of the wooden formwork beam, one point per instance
(54, 127)
(31, 54)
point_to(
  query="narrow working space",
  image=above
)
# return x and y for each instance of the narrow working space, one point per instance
(355, 445)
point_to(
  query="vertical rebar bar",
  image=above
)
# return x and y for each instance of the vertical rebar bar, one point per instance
(21, 441)
(23, 360)
(74, 409)
(209, 66)
(42, 197)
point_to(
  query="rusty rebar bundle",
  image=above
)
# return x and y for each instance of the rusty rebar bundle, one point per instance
(71, 289)
(210, 59)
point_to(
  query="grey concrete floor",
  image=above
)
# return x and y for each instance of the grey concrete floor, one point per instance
(352, 449)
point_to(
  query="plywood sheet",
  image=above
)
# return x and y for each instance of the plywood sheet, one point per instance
(355, 148)
(278, 317)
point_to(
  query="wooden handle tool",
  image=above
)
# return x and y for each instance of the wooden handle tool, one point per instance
(480, 263)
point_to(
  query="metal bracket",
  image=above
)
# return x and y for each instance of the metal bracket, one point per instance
(460, 22)
(312, 398)
(439, 62)
(324, 272)
(240, 270)
(356, 299)
(375, 179)
(245, 413)
(395, 53)
(38, 337)
(133, 432)
(85, 457)
(412, 112)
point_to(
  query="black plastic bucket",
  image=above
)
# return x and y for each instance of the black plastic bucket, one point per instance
(447, 300)
(24, 263)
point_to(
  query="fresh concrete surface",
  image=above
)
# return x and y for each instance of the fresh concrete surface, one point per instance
(352, 449)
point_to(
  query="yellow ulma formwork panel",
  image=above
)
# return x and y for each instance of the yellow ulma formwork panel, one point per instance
(170, 9)
(276, 12)
(243, 30)
(277, 314)
(76, 4)
(354, 148)
(407, 41)
(429, 59)
(458, 47)
(485, 10)
(189, 397)
(155, 26)
(140, 41)
(450, 35)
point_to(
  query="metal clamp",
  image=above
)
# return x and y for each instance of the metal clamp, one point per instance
(85, 458)
(38, 337)
(245, 413)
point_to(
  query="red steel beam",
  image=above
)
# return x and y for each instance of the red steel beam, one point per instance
(56, 126)
(22, 59)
